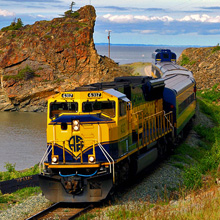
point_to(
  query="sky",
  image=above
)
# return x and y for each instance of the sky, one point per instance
(157, 22)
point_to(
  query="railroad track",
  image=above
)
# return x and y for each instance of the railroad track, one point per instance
(62, 211)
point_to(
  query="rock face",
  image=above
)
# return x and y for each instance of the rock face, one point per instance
(204, 63)
(39, 60)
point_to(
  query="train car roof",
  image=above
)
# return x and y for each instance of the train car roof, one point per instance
(169, 68)
(178, 82)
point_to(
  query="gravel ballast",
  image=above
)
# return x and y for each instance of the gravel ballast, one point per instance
(25, 209)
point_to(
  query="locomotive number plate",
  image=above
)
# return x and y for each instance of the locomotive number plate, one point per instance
(67, 95)
(95, 95)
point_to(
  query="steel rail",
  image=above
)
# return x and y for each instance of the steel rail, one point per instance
(55, 206)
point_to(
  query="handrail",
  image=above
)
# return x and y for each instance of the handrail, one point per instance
(106, 154)
(157, 125)
(171, 125)
(44, 157)
(104, 151)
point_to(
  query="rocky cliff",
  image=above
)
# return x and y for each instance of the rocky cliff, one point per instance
(39, 60)
(204, 63)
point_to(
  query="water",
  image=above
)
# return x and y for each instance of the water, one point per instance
(22, 139)
(131, 54)
(23, 135)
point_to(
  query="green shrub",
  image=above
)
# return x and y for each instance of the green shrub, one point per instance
(12, 173)
(185, 60)
(71, 14)
(216, 48)
(10, 167)
(24, 74)
(14, 25)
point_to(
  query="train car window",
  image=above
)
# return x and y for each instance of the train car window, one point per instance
(173, 56)
(122, 108)
(57, 108)
(105, 107)
(186, 103)
(165, 55)
(158, 56)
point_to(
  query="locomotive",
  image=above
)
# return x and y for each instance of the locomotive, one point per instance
(102, 134)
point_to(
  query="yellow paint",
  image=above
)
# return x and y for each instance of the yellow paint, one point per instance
(186, 113)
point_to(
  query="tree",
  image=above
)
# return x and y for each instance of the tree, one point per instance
(71, 13)
(71, 6)
(19, 23)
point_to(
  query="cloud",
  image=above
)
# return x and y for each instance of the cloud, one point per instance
(115, 8)
(28, 1)
(134, 18)
(201, 18)
(145, 31)
(160, 25)
(143, 18)
(6, 13)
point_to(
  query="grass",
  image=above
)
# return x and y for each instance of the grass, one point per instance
(11, 173)
(19, 196)
(134, 69)
(210, 95)
(186, 61)
(197, 206)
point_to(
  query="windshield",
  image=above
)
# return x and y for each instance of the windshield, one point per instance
(105, 107)
(57, 108)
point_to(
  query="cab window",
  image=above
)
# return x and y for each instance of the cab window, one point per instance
(105, 107)
(122, 108)
(57, 108)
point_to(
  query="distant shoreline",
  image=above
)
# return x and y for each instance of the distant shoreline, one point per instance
(148, 45)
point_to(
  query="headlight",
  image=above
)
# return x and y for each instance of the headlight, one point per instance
(55, 159)
(91, 158)
(76, 125)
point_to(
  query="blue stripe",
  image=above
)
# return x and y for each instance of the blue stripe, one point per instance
(81, 118)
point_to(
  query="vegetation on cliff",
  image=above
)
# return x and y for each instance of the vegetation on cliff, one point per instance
(15, 25)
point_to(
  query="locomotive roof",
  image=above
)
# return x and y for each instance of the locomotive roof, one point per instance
(118, 82)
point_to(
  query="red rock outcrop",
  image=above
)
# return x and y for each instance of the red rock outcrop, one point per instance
(49, 56)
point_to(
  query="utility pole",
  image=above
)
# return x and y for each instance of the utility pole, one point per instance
(109, 43)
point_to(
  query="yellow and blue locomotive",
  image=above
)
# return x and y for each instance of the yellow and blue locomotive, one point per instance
(99, 135)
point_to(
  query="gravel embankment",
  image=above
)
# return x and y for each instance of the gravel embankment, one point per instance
(24, 210)
(154, 186)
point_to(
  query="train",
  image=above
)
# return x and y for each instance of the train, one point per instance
(101, 135)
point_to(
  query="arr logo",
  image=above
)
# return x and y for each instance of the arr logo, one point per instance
(75, 143)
